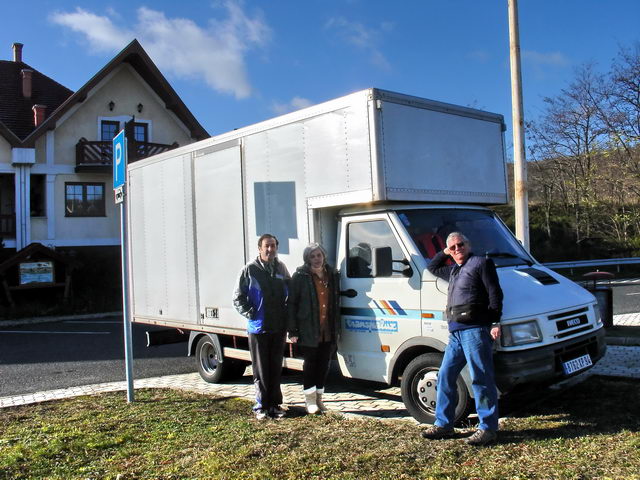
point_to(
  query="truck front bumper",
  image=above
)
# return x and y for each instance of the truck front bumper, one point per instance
(544, 364)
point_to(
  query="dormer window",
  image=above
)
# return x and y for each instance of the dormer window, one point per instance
(108, 130)
(141, 132)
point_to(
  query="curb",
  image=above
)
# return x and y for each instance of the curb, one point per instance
(623, 341)
(58, 318)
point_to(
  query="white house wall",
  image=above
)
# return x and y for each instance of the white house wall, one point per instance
(55, 157)
(5, 154)
(41, 150)
(85, 231)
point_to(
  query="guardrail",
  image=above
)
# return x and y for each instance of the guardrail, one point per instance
(592, 263)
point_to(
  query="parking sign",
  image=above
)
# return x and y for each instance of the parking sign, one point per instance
(119, 159)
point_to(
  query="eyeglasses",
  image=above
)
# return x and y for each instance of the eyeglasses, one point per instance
(456, 246)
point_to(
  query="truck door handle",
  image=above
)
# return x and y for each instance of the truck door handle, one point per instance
(349, 293)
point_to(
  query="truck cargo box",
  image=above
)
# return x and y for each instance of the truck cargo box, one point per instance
(196, 212)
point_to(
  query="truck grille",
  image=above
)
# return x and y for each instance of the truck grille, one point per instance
(571, 322)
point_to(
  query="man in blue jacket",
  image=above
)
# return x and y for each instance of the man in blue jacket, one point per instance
(261, 297)
(474, 306)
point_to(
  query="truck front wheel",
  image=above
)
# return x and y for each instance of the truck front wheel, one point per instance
(419, 389)
(212, 366)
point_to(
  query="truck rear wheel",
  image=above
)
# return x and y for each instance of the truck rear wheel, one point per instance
(419, 389)
(212, 365)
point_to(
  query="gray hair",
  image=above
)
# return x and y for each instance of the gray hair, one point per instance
(312, 247)
(459, 235)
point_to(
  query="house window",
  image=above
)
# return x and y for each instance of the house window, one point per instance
(84, 199)
(108, 130)
(141, 132)
(37, 196)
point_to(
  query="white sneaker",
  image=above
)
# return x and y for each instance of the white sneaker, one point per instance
(321, 406)
(310, 402)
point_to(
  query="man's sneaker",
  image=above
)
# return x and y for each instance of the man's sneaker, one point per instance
(481, 438)
(436, 433)
(276, 412)
(260, 414)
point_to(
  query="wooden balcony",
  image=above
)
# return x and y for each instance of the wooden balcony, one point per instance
(97, 157)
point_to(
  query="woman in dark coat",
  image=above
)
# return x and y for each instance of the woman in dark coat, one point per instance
(314, 308)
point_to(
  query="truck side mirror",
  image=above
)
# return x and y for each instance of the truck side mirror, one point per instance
(382, 262)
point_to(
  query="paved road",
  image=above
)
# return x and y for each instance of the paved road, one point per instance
(58, 355)
(80, 352)
(626, 296)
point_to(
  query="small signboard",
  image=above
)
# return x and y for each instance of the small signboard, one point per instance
(36, 272)
(119, 195)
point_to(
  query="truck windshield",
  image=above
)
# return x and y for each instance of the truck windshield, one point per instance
(488, 235)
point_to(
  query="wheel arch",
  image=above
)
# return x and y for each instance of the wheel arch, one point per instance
(194, 338)
(409, 350)
(417, 346)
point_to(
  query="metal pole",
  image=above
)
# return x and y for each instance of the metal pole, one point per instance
(128, 344)
(521, 196)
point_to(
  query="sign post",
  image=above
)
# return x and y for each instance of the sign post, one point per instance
(119, 189)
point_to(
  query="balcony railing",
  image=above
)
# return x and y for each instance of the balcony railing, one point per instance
(98, 156)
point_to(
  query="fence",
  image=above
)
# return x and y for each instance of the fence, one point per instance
(592, 263)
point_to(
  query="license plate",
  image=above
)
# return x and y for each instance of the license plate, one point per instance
(577, 364)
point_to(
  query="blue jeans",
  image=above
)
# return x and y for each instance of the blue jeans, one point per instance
(473, 347)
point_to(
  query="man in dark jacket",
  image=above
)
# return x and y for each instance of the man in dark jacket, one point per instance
(474, 306)
(261, 296)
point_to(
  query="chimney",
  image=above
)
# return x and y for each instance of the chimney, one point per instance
(38, 114)
(27, 82)
(17, 52)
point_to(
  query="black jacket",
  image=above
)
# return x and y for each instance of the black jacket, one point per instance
(303, 308)
(475, 283)
(261, 296)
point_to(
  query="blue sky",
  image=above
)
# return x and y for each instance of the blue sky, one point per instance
(239, 62)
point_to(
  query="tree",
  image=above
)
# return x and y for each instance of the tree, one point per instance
(620, 109)
(567, 139)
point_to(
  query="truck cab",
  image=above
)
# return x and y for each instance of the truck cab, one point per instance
(394, 326)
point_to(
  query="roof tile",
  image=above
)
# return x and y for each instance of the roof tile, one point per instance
(15, 110)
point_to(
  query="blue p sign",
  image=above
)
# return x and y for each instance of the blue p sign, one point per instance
(119, 159)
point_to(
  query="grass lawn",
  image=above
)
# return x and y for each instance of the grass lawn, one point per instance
(589, 431)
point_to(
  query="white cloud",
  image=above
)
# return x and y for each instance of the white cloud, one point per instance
(101, 33)
(216, 53)
(481, 56)
(362, 37)
(554, 58)
(296, 103)
(542, 65)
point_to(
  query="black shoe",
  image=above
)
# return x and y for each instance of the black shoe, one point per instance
(276, 412)
(480, 438)
(437, 433)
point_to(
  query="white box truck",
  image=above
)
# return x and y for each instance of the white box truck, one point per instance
(379, 179)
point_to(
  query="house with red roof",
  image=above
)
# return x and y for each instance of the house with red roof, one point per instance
(56, 146)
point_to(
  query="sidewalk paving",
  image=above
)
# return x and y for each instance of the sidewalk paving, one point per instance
(361, 400)
(626, 320)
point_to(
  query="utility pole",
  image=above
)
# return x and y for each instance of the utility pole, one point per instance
(521, 195)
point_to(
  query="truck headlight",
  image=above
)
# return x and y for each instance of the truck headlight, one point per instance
(596, 310)
(520, 334)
